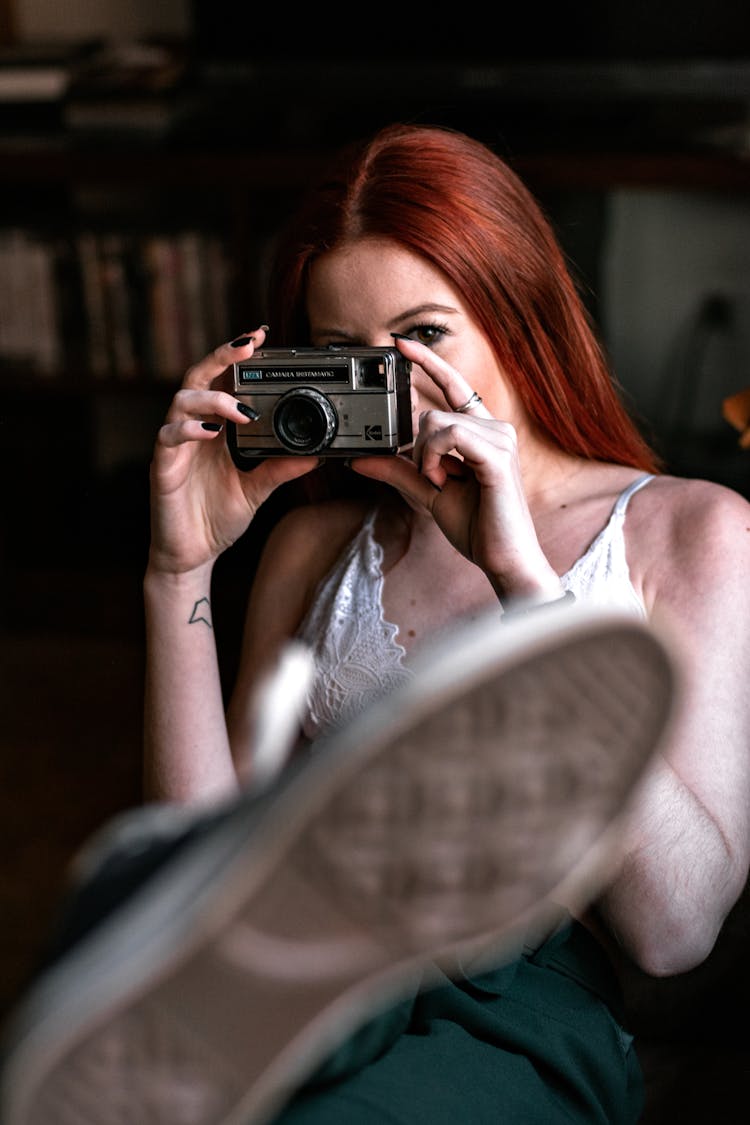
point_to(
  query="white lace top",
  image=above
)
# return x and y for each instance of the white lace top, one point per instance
(355, 648)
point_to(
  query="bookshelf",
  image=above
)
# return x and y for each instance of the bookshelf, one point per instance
(128, 264)
(76, 432)
(125, 256)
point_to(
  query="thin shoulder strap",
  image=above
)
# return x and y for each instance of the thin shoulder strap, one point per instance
(624, 498)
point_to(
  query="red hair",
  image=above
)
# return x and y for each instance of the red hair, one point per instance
(450, 199)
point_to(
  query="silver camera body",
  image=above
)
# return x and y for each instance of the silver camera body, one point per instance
(334, 402)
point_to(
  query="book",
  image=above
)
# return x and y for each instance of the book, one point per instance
(108, 303)
(35, 79)
(166, 312)
(29, 323)
(41, 70)
(194, 296)
(95, 310)
(139, 88)
(42, 293)
(117, 300)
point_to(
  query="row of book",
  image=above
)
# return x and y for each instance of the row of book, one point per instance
(111, 304)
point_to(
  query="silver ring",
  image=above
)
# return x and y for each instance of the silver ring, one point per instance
(475, 400)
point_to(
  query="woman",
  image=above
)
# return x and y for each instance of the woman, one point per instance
(526, 480)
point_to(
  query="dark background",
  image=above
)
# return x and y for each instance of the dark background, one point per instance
(616, 115)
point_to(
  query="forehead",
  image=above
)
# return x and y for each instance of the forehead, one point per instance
(373, 279)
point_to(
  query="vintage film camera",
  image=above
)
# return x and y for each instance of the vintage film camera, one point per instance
(335, 401)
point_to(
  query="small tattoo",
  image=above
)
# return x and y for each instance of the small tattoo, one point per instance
(201, 614)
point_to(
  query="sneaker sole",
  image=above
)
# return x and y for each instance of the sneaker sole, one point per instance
(458, 809)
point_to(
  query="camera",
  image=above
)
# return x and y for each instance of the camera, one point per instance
(334, 401)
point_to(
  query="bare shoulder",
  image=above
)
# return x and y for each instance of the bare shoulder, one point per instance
(680, 506)
(298, 552)
(308, 539)
(683, 533)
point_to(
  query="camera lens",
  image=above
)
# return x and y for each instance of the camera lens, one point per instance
(304, 421)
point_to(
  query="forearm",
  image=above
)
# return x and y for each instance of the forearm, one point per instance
(677, 881)
(186, 747)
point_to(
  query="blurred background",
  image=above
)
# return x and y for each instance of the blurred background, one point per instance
(148, 153)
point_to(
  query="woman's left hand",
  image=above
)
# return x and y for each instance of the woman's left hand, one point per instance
(465, 472)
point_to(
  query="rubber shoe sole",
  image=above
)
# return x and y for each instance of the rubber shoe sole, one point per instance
(451, 815)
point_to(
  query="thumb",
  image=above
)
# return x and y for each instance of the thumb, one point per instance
(260, 482)
(402, 474)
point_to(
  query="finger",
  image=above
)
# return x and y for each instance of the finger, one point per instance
(487, 458)
(275, 471)
(402, 474)
(173, 434)
(431, 422)
(212, 367)
(456, 389)
(189, 404)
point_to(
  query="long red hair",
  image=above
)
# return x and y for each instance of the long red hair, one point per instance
(450, 199)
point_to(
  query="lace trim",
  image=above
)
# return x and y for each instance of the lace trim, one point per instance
(601, 575)
(355, 648)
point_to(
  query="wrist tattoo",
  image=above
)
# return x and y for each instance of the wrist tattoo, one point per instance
(201, 612)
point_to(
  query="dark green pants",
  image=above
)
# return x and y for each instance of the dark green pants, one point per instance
(536, 1042)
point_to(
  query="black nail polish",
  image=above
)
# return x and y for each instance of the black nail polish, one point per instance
(248, 411)
(214, 427)
(400, 336)
(242, 341)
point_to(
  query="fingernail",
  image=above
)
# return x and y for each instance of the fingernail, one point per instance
(248, 338)
(214, 427)
(400, 336)
(435, 486)
(248, 411)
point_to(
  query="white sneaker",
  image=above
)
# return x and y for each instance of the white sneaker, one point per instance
(458, 809)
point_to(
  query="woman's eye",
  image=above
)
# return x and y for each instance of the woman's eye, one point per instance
(428, 334)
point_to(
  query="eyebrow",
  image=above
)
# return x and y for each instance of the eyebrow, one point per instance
(407, 314)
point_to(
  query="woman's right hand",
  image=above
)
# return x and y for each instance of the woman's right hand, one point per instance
(200, 501)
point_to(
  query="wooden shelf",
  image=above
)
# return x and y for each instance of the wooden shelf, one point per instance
(606, 171)
(270, 170)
